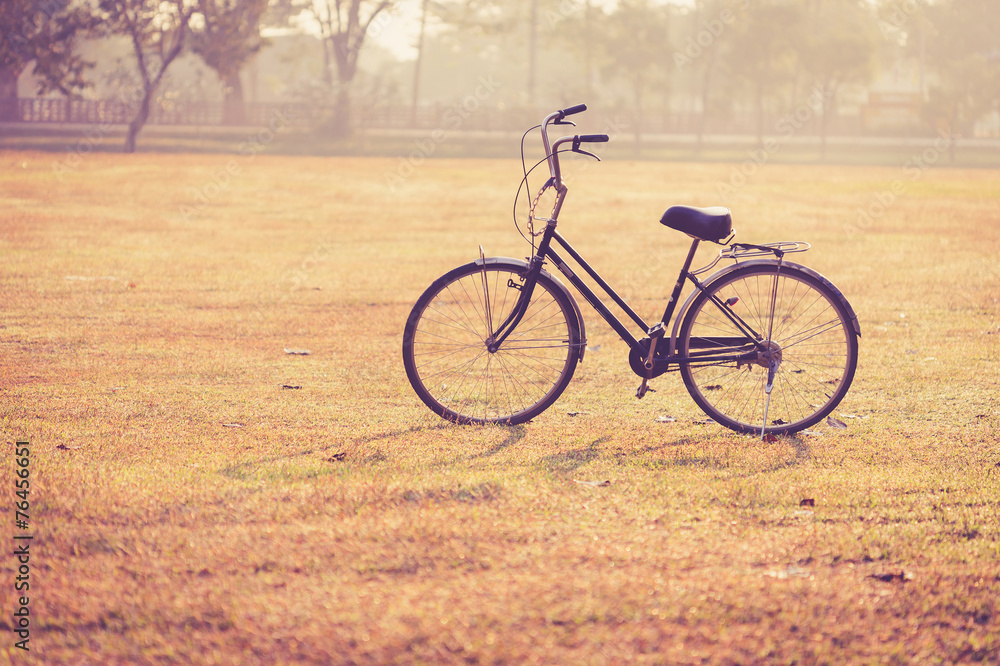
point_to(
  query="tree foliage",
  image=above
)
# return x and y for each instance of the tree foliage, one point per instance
(838, 47)
(964, 55)
(43, 32)
(229, 37)
(762, 51)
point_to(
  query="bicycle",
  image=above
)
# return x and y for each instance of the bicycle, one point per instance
(763, 345)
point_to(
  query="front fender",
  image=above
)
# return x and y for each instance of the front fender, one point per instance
(785, 265)
(520, 264)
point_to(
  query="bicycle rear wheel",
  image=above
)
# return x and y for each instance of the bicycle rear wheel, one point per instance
(810, 330)
(446, 356)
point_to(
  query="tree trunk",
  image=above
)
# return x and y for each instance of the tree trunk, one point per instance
(639, 117)
(706, 83)
(138, 122)
(233, 108)
(824, 123)
(760, 112)
(341, 126)
(417, 65)
(8, 95)
(532, 52)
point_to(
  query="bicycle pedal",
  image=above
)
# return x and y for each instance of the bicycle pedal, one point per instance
(643, 390)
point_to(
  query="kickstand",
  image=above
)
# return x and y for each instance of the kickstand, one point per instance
(772, 368)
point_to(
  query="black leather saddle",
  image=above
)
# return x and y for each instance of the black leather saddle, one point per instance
(711, 224)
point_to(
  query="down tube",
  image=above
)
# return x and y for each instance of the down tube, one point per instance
(592, 298)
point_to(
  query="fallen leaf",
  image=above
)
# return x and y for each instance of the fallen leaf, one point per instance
(808, 502)
(769, 437)
(594, 348)
(63, 447)
(834, 423)
(337, 457)
(232, 425)
(593, 484)
(297, 352)
(714, 387)
(811, 433)
(666, 419)
(290, 386)
(704, 421)
(902, 577)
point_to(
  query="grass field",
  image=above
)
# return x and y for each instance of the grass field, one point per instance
(187, 506)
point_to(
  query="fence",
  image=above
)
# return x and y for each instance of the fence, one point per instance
(425, 117)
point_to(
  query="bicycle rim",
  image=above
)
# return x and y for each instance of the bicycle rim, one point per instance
(450, 367)
(811, 329)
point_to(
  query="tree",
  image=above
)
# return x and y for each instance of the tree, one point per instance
(228, 40)
(762, 51)
(636, 46)
(838, 48)
(962, 53)
(699, 55)
(157, 30)
(344, 24)
(44, 32)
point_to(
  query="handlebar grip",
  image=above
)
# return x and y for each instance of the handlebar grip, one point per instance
(579, 108)
(594, 138)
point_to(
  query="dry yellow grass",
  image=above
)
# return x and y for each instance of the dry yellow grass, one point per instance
(187, 508)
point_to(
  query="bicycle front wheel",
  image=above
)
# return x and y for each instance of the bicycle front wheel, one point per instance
(793, 315)
(445, 349)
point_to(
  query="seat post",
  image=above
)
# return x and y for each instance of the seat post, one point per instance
(679, 286)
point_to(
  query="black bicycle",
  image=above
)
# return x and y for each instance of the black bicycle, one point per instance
(764, 345)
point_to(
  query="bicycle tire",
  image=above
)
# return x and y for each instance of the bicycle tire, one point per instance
(447, 360)
(813, 329)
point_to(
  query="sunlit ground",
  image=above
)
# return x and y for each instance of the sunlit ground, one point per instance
(199, 494)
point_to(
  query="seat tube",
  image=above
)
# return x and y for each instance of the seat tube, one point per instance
(679, 285)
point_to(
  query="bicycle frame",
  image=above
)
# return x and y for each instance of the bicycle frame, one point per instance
(735, 347)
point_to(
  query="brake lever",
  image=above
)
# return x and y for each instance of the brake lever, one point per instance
(584, 152)
(564, 122)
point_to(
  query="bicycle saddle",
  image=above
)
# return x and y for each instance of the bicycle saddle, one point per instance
(711, 224)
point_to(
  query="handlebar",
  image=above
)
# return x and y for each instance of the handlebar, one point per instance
(578, 108)
(552, 149)
(552, 157)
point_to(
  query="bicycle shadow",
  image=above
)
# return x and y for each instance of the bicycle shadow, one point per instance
(241, 470)
(515, 434)
(726, 458)
(566, 462)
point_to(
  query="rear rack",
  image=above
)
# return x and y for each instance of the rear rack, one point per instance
(738, 251)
